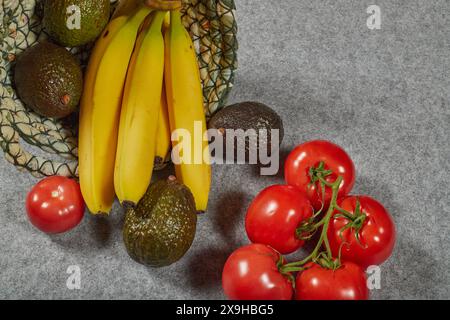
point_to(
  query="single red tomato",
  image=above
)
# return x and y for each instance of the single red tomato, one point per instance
(377, 234)
(310, 155)
(251, 273)
(55, 204)
(345, 283)
(275, 214)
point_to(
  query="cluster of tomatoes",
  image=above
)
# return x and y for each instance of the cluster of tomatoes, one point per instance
(353, 231)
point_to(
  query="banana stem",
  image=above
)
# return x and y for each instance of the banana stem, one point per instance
(163, 4)
(175, 17)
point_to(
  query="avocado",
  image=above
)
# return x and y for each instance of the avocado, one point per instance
(49, 80)
(245, 116)
(59, 19)
(161, 228)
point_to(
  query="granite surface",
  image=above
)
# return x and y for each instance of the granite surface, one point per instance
(382, 94)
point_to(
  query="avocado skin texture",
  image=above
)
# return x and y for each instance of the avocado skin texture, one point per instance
(49, 80)
(248, 115)
(94, 15)
(161, 229)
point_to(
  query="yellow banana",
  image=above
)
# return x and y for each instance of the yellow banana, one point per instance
(123, 12)
(140, 113)
(163, 134)
(100, 108)
(185, 105)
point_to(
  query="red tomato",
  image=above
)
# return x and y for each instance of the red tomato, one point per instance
(275, 214)
(318, 283)
(310, 154)
(55, 204)
(251, 273)
(377, 235)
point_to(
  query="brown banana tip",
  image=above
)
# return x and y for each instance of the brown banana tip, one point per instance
(100, 214)
(158, 161)
(128, 205)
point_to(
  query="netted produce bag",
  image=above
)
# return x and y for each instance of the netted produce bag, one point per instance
(45, 146)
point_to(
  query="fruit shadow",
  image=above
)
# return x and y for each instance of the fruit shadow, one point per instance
(205, 267)
(279, 176)
(101, 228)
(228, 214)
(95, 231)
(412, 272)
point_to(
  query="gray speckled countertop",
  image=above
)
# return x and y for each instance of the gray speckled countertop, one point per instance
(382, 94)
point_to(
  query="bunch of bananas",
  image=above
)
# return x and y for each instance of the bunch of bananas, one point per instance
(142, 82)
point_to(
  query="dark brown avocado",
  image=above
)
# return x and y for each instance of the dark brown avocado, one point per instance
(49, 80)
(245, 116)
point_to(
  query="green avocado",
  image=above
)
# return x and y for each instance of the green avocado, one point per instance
(60, 17)
(161, 228)
(49, 80)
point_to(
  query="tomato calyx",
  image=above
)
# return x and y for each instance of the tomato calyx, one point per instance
(319, 173)
(285, 271)
(307, 229)
(317, 176)
(355, 221)
(328, 263)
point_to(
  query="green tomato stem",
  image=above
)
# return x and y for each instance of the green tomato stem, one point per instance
(325, 221)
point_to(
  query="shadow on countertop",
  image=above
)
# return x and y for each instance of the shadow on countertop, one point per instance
(229, 213)
(205, 266)
(101, 231)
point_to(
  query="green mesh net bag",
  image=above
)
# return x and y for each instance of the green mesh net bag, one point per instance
(44, 146)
